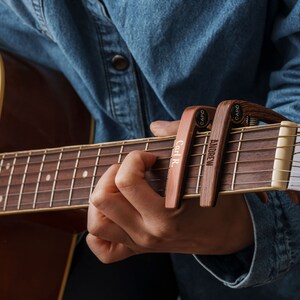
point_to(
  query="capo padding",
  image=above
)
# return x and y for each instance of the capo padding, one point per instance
(228, 113)
(194, 118)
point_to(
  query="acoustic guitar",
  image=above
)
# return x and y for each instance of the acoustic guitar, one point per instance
(44, 193)
(39, 109)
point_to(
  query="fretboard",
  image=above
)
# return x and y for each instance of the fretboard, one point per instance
(256, 159)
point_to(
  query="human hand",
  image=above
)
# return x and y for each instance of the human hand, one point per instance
(126, 217)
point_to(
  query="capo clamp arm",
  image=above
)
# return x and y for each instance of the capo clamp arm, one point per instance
(194, 118)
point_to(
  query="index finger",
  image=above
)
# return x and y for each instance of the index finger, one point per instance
(131, 182)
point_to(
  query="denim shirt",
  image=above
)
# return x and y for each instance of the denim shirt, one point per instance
(176, 54)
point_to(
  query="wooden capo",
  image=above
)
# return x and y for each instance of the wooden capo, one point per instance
(228, 114)
(194, 118)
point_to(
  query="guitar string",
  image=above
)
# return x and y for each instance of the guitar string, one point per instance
(86, 148)
(196, 146)
(149, 180)
(64, 200)
(72, 149)
(190, 186)
(235, 131)
(83, 168)
(163, 179)
(86, 197)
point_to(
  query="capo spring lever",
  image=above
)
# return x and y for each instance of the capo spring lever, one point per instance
(228, 114)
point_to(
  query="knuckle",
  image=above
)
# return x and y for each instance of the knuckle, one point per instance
(114, 168)
(94, 228)
(135, 155)
(99, 198)
(127, 178)
(148, 241)
(105, 258)
(124, 182)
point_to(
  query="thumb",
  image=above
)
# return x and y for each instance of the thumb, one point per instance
(164, 128)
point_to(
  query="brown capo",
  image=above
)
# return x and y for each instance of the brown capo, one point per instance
(194, 118)
(228, 114)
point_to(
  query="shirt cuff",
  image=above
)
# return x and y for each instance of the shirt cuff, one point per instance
(276, 248)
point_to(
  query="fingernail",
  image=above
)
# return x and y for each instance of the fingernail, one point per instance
(159, 124)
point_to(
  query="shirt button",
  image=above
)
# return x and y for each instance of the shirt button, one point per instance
(120, 62)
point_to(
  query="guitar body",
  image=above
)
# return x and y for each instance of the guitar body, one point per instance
(39, 109)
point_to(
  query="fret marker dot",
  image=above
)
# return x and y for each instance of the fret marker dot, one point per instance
(7, 166)
(1, 198)
(85, 174)
(48, 177)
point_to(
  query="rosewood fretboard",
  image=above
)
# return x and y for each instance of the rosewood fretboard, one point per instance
(62, 178)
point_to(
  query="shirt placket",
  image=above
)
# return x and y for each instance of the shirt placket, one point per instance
(123, 103)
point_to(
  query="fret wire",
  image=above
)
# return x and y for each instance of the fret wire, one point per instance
(1, 165)
(55, 178)
(39, 179)
(95, 169)
(73, 177)
(236, 161)
(23, 182)
(201, 163)
(9, 181)
(121, 150)
(147, 145)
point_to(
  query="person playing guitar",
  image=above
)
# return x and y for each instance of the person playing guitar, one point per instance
(153, 184)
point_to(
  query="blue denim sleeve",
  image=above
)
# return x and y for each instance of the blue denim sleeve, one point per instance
(276, 249)
(277, 224)
(284, 95)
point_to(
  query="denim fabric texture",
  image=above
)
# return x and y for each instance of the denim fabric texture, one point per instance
(180, 53)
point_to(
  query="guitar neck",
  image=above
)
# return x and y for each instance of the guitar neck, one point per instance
(257, 159)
